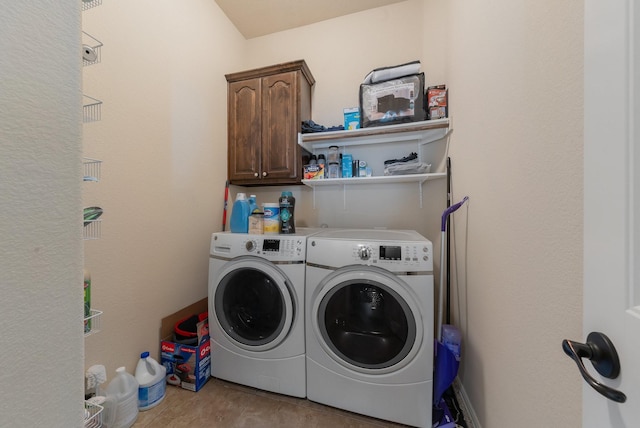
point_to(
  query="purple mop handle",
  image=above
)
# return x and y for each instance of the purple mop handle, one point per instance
(453, 208)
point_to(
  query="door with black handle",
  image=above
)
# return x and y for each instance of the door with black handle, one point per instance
(603, 356)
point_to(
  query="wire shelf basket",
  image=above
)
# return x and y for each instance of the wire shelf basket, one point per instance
(92, 323)
(91, 49)
(91, 230)
(91, 169)
(88, 4)
(91, 109)
(92, 415)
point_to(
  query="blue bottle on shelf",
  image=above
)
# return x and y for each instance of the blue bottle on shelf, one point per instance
(240, 214)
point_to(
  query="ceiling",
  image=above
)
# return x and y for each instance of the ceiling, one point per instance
(254, 18)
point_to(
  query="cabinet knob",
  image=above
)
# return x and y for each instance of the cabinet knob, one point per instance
(264, 173)
(255, 174)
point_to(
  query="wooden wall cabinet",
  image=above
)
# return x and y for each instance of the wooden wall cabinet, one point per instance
(265, 109)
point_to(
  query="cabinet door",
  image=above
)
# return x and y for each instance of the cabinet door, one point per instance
(244, 127)
(280, 124)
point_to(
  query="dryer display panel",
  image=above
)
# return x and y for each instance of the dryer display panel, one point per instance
(388, 252)
(250, 306)
(367, 324)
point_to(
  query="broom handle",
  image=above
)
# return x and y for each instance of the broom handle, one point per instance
(450, 210)
(226, 200)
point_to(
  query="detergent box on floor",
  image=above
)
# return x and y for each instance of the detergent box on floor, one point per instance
(185, 347)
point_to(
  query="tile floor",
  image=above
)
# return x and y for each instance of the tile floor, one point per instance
(224, 404)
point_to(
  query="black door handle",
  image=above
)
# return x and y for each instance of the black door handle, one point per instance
(600, 350)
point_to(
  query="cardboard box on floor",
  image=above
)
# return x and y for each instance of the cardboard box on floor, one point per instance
(187, 366)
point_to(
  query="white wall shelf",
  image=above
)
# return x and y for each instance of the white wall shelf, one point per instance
(377, 144)
(387, 179)
(90, 4)
(92, 415)
(91, 109)
(91, 112)
(426, 131)
(92, 230)
(91, 169)
(91, 49)
(92, 323)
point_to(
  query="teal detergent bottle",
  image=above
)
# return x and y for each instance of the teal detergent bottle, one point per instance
(287, 206)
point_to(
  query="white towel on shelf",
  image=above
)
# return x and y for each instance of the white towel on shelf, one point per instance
(406, 168)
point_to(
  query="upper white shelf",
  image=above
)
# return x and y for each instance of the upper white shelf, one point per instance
(387, 179)
(425, 131)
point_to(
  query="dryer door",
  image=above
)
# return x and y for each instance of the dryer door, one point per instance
(367, 319)
(253, 303)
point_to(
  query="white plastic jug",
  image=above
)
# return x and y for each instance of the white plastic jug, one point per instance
(151, 382)
(121, 405)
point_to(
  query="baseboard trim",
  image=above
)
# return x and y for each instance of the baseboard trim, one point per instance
(468, 408)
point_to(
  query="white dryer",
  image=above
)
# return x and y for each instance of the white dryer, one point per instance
(369, 330)
(256, 310)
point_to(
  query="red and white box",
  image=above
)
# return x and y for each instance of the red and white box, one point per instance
(188, 366)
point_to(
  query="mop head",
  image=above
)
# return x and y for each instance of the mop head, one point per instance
(442, 417)
(96, 375)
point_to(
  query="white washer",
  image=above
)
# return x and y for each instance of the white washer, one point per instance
(256, 310)
(369, 311)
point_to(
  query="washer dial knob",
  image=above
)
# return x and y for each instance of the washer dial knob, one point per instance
(250, 245)
(364, 252)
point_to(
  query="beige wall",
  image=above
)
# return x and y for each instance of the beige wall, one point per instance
(515, 68)
(162, 140)
(515, 73)
(340, 52)
(40, 220)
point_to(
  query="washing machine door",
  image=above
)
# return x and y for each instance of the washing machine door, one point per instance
(254, 303)
(367, 319)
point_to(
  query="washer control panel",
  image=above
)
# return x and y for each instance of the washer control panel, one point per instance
(389, 255)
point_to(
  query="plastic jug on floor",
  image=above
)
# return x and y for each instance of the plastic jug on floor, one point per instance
(151, 382)
(121, 405)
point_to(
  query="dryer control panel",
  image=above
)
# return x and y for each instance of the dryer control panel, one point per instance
(383, 254)
(393, 256)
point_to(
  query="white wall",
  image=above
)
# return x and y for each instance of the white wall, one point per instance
(515, 73)
(515, 69)
(340, 52)
(162, 140)
(40, 214)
